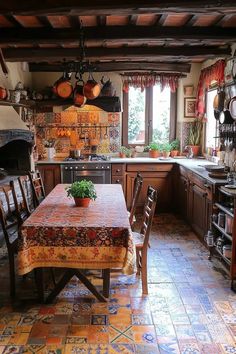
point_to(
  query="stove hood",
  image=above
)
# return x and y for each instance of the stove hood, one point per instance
(12, 127)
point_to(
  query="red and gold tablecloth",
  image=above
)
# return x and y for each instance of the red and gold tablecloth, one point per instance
(58, 234)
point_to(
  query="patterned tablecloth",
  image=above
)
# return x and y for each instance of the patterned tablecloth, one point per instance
(58, 234)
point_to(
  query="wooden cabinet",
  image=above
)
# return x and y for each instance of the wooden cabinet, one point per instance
(118, 174)
(194, 198)
(51, 175)
(224, 231)
(156, 175)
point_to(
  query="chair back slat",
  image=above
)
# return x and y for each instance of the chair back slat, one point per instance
(138, 182)
(37, 187)
(148, 213)
(22, 196)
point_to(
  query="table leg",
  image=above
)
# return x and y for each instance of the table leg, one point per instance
(106, 282)
(39, 283)
(65, 279)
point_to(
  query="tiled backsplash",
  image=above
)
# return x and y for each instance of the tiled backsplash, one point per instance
(75, 128)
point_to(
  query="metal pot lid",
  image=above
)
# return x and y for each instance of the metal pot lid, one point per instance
(232, 107)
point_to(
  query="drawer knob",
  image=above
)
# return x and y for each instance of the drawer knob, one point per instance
(117, 181)
(118, 170)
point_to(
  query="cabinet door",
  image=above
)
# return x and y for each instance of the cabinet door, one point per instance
(198, 219)
(158, 180)
(51, 176)
(182, 197)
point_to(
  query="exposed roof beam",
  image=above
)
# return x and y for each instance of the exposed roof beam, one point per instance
(106, 7)
(40, 54)
(117, 66)
(20, 36)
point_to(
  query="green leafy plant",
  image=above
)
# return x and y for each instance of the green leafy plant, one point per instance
(82, 189)
(195, 132)
(154, 146)
(126, 151)
(165, 147)
(175, 144)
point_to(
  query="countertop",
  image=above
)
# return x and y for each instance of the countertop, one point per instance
(195, 165)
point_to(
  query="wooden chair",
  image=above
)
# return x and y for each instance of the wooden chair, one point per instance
(10, 224)
(23, 197)
(37, 187)
(141, 239)
(138, 182)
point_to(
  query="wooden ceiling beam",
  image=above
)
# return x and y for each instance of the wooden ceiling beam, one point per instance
(22, 36)
(107, 7)
(101, 53)
(117, 66)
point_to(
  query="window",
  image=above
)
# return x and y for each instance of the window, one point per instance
(148, 115)
(212, 125)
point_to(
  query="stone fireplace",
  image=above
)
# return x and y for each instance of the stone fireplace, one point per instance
(16, 142)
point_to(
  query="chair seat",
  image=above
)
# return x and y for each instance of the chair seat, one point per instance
(138, 239)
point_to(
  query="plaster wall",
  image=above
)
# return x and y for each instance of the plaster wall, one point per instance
(17, 72)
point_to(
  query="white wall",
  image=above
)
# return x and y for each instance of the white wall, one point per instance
(191, 79)
(16, 74)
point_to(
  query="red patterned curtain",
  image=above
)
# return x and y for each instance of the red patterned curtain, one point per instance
(214, 72)
(143, 80)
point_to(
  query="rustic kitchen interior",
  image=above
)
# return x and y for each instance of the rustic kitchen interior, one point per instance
(139, 99)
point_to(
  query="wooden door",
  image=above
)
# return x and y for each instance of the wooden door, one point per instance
(51, 175)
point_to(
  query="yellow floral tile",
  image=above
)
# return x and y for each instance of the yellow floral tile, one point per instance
(19, 339)
(98, 334)
(116, 319)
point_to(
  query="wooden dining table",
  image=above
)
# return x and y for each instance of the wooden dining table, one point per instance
(59, 234)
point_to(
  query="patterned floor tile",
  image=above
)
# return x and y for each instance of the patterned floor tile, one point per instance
(190, 307)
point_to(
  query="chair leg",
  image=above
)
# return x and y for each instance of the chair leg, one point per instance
(138, 261)
(144, 273)
(12, 275)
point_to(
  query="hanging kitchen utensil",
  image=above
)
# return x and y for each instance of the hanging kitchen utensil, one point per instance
(225, 117)
(232, 107)
(107, 89)
(79, 98)
(218, 102)
(63, 87)
(91, 88)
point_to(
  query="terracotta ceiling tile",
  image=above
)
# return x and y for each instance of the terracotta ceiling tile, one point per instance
(176, 20)
(4, 22)
(88, 20)
(146, 20)
(117, 20)
(59, 21)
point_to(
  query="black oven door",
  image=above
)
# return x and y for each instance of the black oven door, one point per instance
(97, 177)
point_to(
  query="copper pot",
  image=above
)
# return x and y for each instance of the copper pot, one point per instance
(79, 98)
(3, 93)
(63, 87)
(91, 88)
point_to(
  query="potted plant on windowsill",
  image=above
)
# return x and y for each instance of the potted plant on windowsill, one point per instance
(124, 152)
(195, 134)
(175, 146)
(165, 149)
(154, 149)
(82, 192)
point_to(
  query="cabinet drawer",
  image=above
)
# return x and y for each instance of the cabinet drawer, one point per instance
(149, 167)
(117, 180)
(118, 169)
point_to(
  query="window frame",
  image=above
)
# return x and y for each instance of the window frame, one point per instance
(148, 117)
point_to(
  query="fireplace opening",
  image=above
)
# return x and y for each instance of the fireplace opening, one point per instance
(15, 157)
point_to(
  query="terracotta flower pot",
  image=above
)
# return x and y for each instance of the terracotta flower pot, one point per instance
(154, 153)
(165, 154)
(174, 153)
(82, 202)
(122, 155)
(195, 149)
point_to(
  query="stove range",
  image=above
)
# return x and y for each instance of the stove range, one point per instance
(91, 167)
(91, 157)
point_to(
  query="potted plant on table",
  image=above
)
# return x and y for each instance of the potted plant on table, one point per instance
(175, 146)
(195, 134)
(82, 192)
(154, 149)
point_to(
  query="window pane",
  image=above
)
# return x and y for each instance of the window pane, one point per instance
(211, 126)
(161, 114)
(136, 116)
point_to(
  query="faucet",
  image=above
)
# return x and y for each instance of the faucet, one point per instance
(189, 152)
